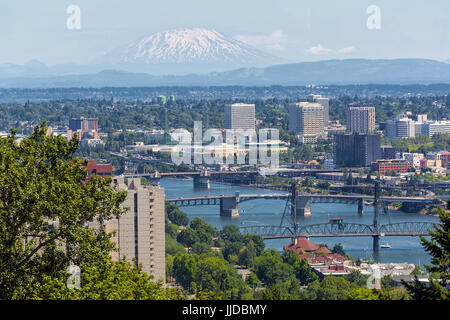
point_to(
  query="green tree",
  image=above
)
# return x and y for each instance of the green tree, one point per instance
(356, 277)
(212, 274)
(362, 293)
(258, 242)
(184, 270)
(336, 288)
(171, 229)
(200, 225)
(188, 237)
(289, 257)
(386, 282)
(338, 249)
(231, 251)
(252, 280)
(175, 215)
(201, 248)
(304, 272)
(46, 208)
(110, 280)
(247, 255)
(204, 236)
(270, 268)
(172, 246)
(439, 248)
(231, 233)
(417, 271)
(217, 276)
(286, 290)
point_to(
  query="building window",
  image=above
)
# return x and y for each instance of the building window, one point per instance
(136, 244)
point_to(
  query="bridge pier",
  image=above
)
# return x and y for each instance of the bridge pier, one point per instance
(376, 243)
(229, 207)
(303, 205)
(360, 207)
(201, 182)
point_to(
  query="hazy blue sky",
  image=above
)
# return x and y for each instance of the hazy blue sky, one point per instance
(293, 29)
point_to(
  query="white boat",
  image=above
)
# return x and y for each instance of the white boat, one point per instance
(386, 246)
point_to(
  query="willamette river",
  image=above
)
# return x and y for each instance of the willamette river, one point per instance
(269, 212)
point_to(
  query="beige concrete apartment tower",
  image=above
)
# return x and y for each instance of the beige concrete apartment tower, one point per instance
(325, 102)
(306, 117)
(240, 116)
(141, 230)
(360, 118)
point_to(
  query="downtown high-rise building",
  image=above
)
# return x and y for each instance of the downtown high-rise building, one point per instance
(360, 118)
(140, 232)
(306, 117)
(83, 124)
(408, 125)
(325, 102)
(400, 128)
(240, 116)
(356, 150)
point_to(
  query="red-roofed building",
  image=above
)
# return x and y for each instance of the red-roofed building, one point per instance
(103, 170)
(302, 245)
(319, 257)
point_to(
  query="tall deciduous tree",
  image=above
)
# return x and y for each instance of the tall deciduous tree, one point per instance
(185, 269)
(46, 207)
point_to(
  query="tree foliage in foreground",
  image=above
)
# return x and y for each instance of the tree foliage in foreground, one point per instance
(439, 248)
(42, 185)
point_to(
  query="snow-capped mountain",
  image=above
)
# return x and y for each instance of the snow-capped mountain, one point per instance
(187, 50)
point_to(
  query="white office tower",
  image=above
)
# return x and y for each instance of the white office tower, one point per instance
(306, 117)
(360, 118)
(401, 128)
(141, 230)
(325, 102)
(430, 128)
(240, 116)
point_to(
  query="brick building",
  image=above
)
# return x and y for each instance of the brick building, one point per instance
(103, 170)
(395, 165)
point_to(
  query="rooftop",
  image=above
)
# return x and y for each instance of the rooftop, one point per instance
(302, 245)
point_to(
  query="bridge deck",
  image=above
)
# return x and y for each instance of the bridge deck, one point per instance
(327, 235)
(245, 197)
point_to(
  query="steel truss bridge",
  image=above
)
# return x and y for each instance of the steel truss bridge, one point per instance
(340, 229)
(315, 198)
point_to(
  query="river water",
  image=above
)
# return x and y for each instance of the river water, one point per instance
(269, 212)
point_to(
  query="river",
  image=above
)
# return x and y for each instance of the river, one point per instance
(269, 212)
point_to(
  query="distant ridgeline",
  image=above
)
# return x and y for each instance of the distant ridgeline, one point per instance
(143, 93)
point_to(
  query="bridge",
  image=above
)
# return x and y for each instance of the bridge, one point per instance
(201, 179)
(297, 204)
(229, 204)
(338, 228)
